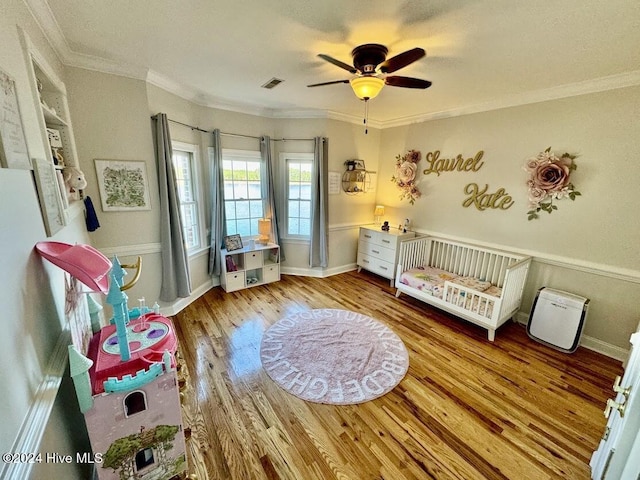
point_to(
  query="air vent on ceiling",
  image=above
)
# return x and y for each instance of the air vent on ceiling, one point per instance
(274, 82)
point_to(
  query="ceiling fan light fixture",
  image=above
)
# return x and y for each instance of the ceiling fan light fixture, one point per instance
(366, 87)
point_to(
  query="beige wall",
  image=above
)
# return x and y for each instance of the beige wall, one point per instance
(593, 238)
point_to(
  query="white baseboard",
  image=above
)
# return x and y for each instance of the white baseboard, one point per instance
(181, 303)
(612, 351)
(317, 272)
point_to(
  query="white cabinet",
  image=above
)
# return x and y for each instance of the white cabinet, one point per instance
(617, 454)
(378, 250)
(250, 266)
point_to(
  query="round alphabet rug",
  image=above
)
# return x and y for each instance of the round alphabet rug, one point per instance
(333, 356)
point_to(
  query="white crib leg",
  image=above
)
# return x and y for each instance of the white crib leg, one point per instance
(491, 334)
(398, 292)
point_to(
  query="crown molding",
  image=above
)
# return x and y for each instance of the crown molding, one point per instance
(99, 64)
(602, 84)
(42, 14)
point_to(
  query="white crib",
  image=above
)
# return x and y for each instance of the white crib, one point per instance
(506, 273)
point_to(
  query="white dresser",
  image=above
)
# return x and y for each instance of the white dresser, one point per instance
(378, 250)
(618, 455)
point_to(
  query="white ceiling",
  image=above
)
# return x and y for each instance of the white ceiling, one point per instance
(481, 54)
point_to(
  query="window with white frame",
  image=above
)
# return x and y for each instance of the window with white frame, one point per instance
(298, 194)
(244, 191)
(185, 160)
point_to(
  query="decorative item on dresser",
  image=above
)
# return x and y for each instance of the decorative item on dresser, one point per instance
(378, 213)
(378, 250)
(254, 264)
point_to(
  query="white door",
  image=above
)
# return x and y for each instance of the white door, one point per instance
(618, 455)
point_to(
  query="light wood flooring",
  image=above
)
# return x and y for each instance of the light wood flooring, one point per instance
(467, 408)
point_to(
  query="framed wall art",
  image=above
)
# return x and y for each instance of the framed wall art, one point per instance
(13, 143)
(123, 185)
(49, 194)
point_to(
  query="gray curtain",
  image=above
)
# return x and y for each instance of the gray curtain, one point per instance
(318, 249)
(271, 210)
(175, 262)
(216, 183)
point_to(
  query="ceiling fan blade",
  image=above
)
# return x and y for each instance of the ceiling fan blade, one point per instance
(337, 63)
(328, 83)
(402, 60)
(407, 82)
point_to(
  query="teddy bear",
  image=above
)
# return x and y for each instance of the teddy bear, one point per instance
(74, 181)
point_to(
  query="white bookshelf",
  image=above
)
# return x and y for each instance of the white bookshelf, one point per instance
(252, 265)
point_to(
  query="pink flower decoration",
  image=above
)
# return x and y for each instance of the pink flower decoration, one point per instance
(405, 175)
(549, 179)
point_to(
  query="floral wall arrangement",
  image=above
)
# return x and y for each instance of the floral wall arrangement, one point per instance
(549, 180)
(405, 175)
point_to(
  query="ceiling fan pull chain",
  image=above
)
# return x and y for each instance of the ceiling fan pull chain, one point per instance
(366, 115)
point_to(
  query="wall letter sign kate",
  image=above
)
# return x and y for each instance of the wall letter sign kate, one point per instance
(483, 200)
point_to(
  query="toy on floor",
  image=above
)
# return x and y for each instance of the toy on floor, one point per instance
(126, 383)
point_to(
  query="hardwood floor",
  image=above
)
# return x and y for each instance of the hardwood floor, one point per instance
(467, 408)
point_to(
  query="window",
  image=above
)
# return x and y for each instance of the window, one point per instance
(244, 191)
(134, 403)
(298, 190)
(144, 458)
(185, 166)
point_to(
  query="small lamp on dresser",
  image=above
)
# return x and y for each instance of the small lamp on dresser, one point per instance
(378, 213)
(264, 229)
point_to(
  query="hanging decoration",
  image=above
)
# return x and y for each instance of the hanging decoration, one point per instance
(549, 180)
(405, 175)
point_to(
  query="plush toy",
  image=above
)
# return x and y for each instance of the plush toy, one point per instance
(74, 181)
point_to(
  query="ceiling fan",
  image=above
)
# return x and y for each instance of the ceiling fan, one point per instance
(370, 67)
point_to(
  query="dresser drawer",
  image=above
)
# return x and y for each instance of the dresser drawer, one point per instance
(377, 251)
(378, 238)
(375, 265)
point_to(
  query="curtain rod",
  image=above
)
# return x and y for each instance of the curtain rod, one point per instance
(238, 134)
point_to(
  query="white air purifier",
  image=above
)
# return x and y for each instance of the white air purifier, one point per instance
(557, 319)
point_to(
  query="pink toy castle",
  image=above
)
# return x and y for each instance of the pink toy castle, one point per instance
(126, 383)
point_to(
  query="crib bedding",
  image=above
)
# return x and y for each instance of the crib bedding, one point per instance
(431, 280)
(427, 279)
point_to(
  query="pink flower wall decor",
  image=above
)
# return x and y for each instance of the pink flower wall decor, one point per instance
(549, 180)
(405, 175)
